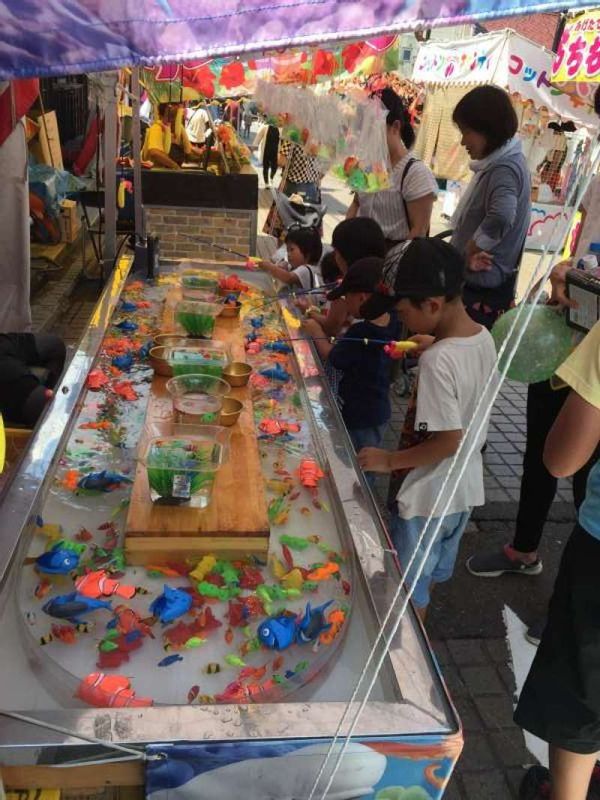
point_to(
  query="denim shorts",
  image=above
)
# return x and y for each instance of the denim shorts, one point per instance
(367, 437)
(439, 564)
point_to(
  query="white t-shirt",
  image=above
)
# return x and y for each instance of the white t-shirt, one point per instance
(591, 227)
(452, 375)
(310, 277)
(386, 207)
(197, 126)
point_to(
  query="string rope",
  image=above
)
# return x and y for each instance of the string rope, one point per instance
(528, 310)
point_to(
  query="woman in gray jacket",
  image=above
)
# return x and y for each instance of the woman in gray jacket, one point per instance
(492, 218)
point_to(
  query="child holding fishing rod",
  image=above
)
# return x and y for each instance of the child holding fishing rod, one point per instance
(304, 250)
(364, 387)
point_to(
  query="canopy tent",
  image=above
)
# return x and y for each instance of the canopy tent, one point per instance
(57, 37)
(224, 77)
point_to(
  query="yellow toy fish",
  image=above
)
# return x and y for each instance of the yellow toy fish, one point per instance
(203, 567)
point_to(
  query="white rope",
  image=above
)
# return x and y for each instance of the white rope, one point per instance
(528, 310)
(139, 754)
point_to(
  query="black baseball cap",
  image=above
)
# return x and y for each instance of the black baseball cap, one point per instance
(362, 276)
(417, 269)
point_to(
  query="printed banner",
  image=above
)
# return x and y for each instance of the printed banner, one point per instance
(578, 53)
(224, 77)
(403, 768)
(61, 37)
(508, 60)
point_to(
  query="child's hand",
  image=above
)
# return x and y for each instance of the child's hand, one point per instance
(480, 262)
(423, 341)
(372, 459)
(302, 303)
(312, 328)
(266, 265)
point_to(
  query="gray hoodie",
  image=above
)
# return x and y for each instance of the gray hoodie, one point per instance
(494, 212)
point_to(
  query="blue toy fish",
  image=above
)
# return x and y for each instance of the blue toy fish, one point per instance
(104, 481)
(276, 373)
(171, 604)
(57, 561)
(72, 606)
(127, 325)
(170, 660)
(257, 322)
(278, 633)
(278, 347)
(124, 362)
(144, 350)
(313, 623)
(127, 305)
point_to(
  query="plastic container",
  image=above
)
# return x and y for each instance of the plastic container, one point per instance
(203, 295)
(198, 281)
(591, 259)
(197, 318)
(182, 461)
(197, 398)
(209, 359)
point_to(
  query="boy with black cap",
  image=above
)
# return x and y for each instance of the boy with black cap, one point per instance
(423, 280)
(364, 387)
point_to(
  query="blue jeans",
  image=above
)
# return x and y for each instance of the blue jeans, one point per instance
(368, 437)
(439, 564)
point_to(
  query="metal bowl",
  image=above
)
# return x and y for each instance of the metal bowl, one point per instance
(159, 363)
(230, 411)
(237, 373)
(232, 310)
(170, 339)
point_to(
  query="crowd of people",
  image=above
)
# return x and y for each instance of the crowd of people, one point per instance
(383, 278)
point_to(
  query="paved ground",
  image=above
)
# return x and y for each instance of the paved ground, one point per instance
(465, 622)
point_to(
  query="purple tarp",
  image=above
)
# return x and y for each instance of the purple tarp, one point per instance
(58, 37)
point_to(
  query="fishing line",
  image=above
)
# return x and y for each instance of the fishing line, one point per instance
(530, 307)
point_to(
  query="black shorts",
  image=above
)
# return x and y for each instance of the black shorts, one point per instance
(560, 702)
(17, 354)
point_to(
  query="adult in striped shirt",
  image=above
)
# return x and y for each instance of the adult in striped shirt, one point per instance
(404, 210)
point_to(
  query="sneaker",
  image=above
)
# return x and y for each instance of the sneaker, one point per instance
(492, 565)
(533, 634)
(535, 784)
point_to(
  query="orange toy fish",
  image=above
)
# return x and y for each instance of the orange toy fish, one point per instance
(70, 480)
(96, 380)
(104, 425)
(127, 621)
(110, 691)
(324, 573)
(310, 473)
(275, 427)
(125, 390)
(98, 584)
(336, 619)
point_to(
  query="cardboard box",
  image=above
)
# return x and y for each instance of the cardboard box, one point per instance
(46, 147)
(69, 221)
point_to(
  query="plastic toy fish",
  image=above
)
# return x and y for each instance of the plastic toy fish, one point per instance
(253, 672)
(124, 362)
(237, 614)
(144, 350)
(256, 322)
(324, 573)
(218, 592)
(294, 542)
(127, 325)
(313, 623)
(310, 473)
(396, 350)
(278, 347)
(193, 642)
(96, 379)
(212, 668)
(231, 283)
(125, 390)
(293, 580)
(278, 633)
(99, 584)
(202, 568)
(72, 606)
(171, 604)
(103, 425)
(105, 481)
(276, 373)
(193, 693)
(57, 561)
(42, 589)
(250, 577)
(336, 619)
(275, 427)
(168, 660)
(235, 661)
(127, 305)
(110, 691)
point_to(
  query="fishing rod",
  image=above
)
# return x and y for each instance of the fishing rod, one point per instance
(203, 240)
(394, 349)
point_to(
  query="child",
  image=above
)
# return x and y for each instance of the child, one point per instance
(560, 701)
(364, 386)
(423, 280)
(304, 250)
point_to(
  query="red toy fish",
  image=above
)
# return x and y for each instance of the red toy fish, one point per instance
(309, 473)
(110, 691)
(125, 390)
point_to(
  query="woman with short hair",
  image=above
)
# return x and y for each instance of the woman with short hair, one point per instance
(491, 221)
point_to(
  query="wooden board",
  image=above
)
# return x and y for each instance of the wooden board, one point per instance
(238, 508)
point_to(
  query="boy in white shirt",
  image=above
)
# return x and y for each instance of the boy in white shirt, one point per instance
(423, 280)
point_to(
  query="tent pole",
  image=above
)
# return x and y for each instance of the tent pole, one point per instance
(110, 181)
(140, 233)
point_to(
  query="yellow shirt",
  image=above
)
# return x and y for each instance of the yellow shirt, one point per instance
(581, 370)
(158, 137)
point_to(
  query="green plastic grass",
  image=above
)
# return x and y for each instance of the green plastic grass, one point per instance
(196, 324)
(177, 461)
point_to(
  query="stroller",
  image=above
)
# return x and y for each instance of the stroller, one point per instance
(294, 211)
